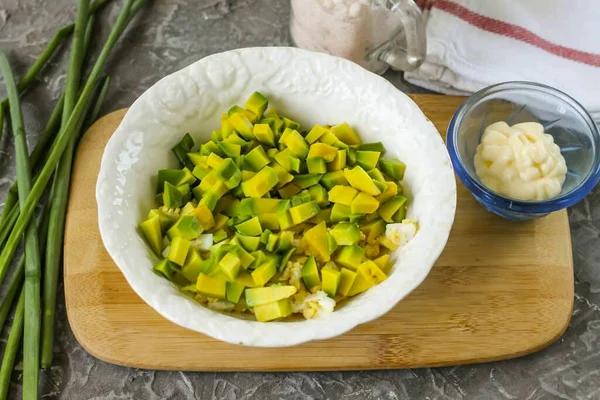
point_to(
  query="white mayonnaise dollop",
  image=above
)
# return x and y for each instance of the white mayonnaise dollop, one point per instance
(520, 161)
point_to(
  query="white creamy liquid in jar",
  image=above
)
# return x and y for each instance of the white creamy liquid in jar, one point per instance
(520, 161)
(344, 28)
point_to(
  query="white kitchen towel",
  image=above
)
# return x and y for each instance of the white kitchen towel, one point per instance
(475, 43)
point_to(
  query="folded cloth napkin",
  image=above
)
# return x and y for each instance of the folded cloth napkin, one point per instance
(475, 43)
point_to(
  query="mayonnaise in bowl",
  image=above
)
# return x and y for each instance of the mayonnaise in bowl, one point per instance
(520, 161)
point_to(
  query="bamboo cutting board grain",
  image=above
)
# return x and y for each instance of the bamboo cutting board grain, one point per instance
(499, 290)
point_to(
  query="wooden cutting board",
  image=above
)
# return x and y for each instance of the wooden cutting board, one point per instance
(500, 289)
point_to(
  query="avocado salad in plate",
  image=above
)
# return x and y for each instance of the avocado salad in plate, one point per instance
(272, 220)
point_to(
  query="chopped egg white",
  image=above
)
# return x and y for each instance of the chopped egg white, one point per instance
(220, 305)
(402, 232)
(203, 242)
(292, 274)
(315, 305)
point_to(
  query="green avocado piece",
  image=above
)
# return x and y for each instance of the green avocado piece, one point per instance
(304, 212)
(201, 170)
(373, 229)
(319, 194)
(346, 233)
(350, 256)
(295, 143)
(283, 159)
(315, 133)
(331, 179)
(256, 159)
(234, 291)
(230, 149)
(229, 173)
(300, 198)
(211, 147)
(306, 180)
(250, 227)
(400, 214)
(219, 236)
(340, 212)
(392, 168)
(376, 175)
(382, 186)
(246, 259)
(360, 180)
(242, 124)
(270, 311)
(193, 266)
(272, 242)
(187, 227)
(257, 104)
(264, 295)
(331, 280)
(175, 177)
(230, 265)
(310, 273)
(235, 110)
(285, 258)
(152, 231)
(285, 241)
(250, 243)
(367, 159)
(212, 286)
(316, 165)
(181, 149)
(186, 193)
(264, 273)
(295, 164)
(269, 221)
(391, 207)
(166, 268)
(339, 162)
(166, 220)
(196, 158)
(179, 250)
(347, 278)
(290, 124)
(264, 132)
(216, 135)
(261, 183)
(172, 197)
(345, 133)
(375, 146)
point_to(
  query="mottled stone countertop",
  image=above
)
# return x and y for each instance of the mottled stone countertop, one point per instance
(171, 34)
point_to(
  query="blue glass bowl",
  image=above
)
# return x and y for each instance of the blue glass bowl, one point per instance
(565, 119)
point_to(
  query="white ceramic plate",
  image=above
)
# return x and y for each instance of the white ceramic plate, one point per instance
(310, 88)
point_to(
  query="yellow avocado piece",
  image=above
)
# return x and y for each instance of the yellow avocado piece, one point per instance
(331, 280)
(205, 216)
(339, 162)
(364, 203)
(347, 278)
(295, 143)
(179, 250)
(315, 133)
(264, 273)
(345, 133)
(360, 284)
(391, 190)
(261, 183)
(269, 221)
(264, 134)
(371, 272)
(152, 233)
(303, 212)
(373, 229)
(350, 256)
(289, 190)
(383, 262)
(360, 180)
(342, 195)
(230, 265)
(245, 279)
(282, 175)
(316, 240)
(234, 291)
(390, 207)
(213, 160)
(257, 103)
(242, 124)
(327, 152)
(226, 126)
(220, 221)
(264, 295)
(214, 287)
(270, 311)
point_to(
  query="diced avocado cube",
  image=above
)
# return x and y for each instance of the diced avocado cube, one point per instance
(400, 214)
(347, 278)
(263, 132)
(166, 269)
(273, 125)
(219, 236)
(201, 170)
(272, 242)
(152, 232)
(179, 250)
(263, 206)
(364, 203)
(367, 159)
(211, 147)
(272, 114)
(390, 191)
(339, 162)
(331, 179)
(323, 150)
(193, 266)
(295, 164)
(186, 193)
(234, 291)
(261, 183)
(332, 140)
(300, 198)
(345, 133)
(264, 273)
(270, 311)
(285, 241)
(316, 165)
(346, 233)
(285, 258)
(382, 186)
(175, 177)
(376, 175)
(256, 159)
(242, 124)
(382, 262)
(315, 133)
(316, 242)
(310, 273)
(289, 124)
(331, 244)
(306, 180)
(245, 278)
(283, 158)
(172, 197)
(246, 258)
(235, 110)
(166, 220)
(304, 212)
(282, 175)
(360, 180)
(264, 295)
(340, 212)
(331, 280)
(257, 104)
(246, 207)
(350, 256)
(207, 183)
(188, 208)
(288, 191)
(247, 174)
(319, 194)
(295, 143)
(390, 207)
(181, 149)
(235, 139)
(373, 229)
(392, 168)
(187, 227)
(226, 127)
(323, 216)
(229, 174)
(284, 219)
(371, 272)
(250, 243)
(375, 146)
(213, 160)
(213, 287)
(230, 265)
(196, 158)
(230, 149)
(205, 216)
(342, 194)
(351, 156)
(250, 227)
(269, 221)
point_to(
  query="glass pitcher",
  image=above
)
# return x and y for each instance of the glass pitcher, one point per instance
(376, 34)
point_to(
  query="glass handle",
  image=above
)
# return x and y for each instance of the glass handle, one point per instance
(407, 48)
